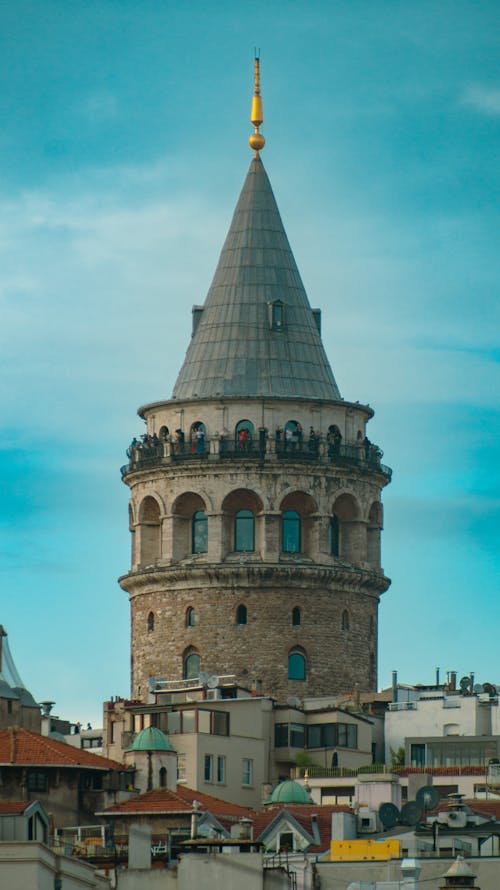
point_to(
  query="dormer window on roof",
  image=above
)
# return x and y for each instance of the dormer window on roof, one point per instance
(276, 315)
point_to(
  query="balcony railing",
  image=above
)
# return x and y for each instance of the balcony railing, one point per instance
(152, 452)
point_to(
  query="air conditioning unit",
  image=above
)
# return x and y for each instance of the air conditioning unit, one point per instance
(213, 694)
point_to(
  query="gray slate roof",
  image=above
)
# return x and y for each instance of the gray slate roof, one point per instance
(234, 351)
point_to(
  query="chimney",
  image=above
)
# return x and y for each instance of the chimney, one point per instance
(395, 686)
(453, 681)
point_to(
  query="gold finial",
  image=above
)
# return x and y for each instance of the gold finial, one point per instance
(257, 141)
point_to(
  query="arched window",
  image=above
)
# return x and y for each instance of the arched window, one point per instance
(190, 617)
(290, 532)
(334, 535)
(293, 436)
(151, 622)
(199, 532)
(243, 435)
(244, 531)
(296, 617)
(198, 437)
(191, 665)
(241, 614)
(149, 519)
(163, 777)
(163, 434)
(276, 315)
(345, 620)
(296, 665)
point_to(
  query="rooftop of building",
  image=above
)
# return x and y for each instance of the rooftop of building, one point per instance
(19, 747)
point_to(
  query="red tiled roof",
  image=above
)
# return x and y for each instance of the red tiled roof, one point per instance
(179, 801)
(13, 807)
(489, 807)
(303, 814)
(19, 746)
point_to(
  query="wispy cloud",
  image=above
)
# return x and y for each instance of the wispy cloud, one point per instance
(483, 99)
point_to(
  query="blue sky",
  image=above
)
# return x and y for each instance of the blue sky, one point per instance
(124, 148)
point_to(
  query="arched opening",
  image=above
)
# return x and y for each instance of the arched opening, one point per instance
(297, 665)
(334, 535)
(244, 531)
(243, 435)
(345, 620)
(190, 617)
(293, 436)
(151, 622)
(297, 511)
(242, 521)
(351, 544)
(191, 663)
(296, 617)
(163, 434)
(163, 777)
(375, 523)
(199, 532)
(241, 614)
(291, 537)
(149, 521)
(333, 440)
(131, 528)
(188, 526)
(197, 437)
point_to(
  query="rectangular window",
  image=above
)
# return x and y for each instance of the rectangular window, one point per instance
(208, 770)
(281, 735)
(297, 735)
(314, 739)
(220, 723)
(352, 735)
(181, 767)
(204, 721)
(188, 721)
(37, 780)
(417, 755)
(247, 772)
(174, 721)
(221, 769)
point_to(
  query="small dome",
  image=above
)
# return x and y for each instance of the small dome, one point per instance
(290, 792)
(150, 739)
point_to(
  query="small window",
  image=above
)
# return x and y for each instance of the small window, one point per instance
(345, 620)
(286, 841)
(247, 772)
(164, 433)
(276, 315)
(334, 535)
(163, 777)
(296, 617)
(37, 780)
(221, 769)
(208, 771)
(199, 532)
(151, 622)
(296, 666)
(244, 531)
(241, 614)
(290, 525)
(191, 666)
(190, 617)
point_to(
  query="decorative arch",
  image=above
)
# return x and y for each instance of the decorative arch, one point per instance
(350, 540)
(191, 663)
(297, 664)
(296, 616)
(374, 528)
(297, 509)
(242, 520)
(191, 617)
(164, 433)
(293, 436)
(150, 528)
(241, 614)
(198, 436)
(189, 525)
(151, 622)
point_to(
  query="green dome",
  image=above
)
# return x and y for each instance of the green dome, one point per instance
(150, 739)
(290, 792)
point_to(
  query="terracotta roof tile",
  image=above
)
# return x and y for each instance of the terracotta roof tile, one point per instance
(19, 746)
(179, 801)
(13, 807)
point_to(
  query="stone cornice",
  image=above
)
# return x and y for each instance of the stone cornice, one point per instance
(262, 576)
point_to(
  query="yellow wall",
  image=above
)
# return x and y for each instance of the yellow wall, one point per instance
(349, 851)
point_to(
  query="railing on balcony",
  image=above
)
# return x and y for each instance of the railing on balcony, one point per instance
(151, 452)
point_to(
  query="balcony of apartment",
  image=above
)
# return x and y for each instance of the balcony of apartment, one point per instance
(151, 452)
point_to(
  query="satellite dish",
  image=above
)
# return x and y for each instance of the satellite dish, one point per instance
(293, 701)
(410, 814)
(389, 815)
(478, 687)
(204, 677)
(489, 688)
(213, 682)
(464, 684)
(427, 797)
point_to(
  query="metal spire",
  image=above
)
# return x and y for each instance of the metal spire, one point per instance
(256, 140)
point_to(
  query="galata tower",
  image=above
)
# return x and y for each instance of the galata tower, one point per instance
(255, 507)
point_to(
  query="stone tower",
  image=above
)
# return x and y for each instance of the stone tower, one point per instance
(255, 506)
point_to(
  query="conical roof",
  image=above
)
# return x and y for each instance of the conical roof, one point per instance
(239, 347)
